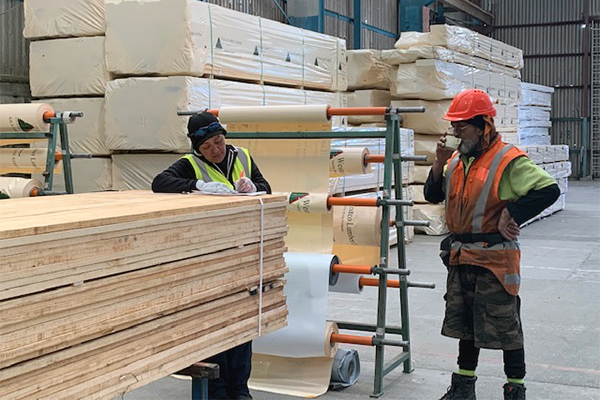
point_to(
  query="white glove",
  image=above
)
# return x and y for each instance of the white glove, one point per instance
(245, 185)
(213, 187)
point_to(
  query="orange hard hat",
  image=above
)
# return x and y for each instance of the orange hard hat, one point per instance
(468, 104)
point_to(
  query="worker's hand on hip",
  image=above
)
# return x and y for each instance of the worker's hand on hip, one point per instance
(507, 226)
(214, 187)
(245, 185)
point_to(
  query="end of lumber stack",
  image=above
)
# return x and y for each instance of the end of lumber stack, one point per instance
(101, 293)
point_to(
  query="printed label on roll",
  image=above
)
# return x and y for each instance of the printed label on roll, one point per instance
(357, 226)
(306, 203)
(348, 161)
(24, 117)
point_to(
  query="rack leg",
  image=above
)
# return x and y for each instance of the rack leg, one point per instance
(404, 312)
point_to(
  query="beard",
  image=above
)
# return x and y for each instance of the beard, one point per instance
(467, 147)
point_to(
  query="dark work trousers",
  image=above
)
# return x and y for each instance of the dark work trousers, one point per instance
(234, 372)
(514, 360)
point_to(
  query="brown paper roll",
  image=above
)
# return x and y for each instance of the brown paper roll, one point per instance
(24, 117)
(18, 187)
(25, 161)
(330, 349)
(357, 226)
(348, 161)
(306, 203)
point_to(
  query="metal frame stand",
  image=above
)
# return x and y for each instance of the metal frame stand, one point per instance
(392, 168)
(58, 126)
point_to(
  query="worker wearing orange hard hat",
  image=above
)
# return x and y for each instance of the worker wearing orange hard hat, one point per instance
(490, 188)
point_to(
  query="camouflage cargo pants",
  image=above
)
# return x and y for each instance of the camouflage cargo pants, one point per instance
(479, 308)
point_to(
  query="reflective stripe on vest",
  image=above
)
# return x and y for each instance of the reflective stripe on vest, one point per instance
(206, 173)
(477, 224)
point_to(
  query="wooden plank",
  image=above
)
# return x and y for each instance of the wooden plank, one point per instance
(15, 347)
(91, 349)
(134, 206)
(81, 370)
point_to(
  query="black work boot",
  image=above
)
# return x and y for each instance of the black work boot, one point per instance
(462, 388)
(514, 391)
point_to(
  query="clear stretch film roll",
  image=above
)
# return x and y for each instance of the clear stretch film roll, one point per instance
(286, 114)
(306, 203)
(348, 161)
(358, 226)
(18, 187)
(307, 333)
(346, 369)
(25, 161)
(24, 117)
(347, 283)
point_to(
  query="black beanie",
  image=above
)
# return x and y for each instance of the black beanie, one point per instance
(478, 121)
(202, 120)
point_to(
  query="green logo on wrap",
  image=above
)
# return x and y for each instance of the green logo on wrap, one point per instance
(295, 196)
(334, 153)
(24, 126)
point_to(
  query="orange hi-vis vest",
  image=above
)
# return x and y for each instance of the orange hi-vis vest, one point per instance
(474, 207)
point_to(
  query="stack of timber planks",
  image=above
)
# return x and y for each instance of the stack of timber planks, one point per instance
(101, 293)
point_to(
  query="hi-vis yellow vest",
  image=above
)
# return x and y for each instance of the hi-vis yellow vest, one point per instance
(206, 173)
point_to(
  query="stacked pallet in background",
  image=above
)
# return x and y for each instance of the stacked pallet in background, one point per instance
(198, 43)
(68, 71)
(429, 69)
(119, 289)
(534, 114)
(555, 160)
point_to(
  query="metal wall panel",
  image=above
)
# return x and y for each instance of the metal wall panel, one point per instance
(527, 12)
(595, 7)
(14, 49)
(535, 40)
(554, 71)
(262, 8)
(567, 103)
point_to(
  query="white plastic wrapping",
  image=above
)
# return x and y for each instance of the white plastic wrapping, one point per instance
(89, 175)
(425, 145)
(87, 134)
(136, 171)
(418, 194)
(368, 98)
(465, 41)
(367, 71)
(429, 122)
(421, 173)
(435, 214)
(63, 18)
(198, 39)
(439, 80)
(68, 67)
(152, 124)
(410, 55)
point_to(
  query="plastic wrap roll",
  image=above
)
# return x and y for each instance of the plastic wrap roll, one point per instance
(316, 113)
(357, 226)
(25, 161)
(346, 369)
(24, 117)
(307, 333)
(348, 161)
(347, 283)
(306, 203)
(18, 187)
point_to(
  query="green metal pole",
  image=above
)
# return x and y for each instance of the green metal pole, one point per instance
(392, 124)
(402, 254)
(68, 171)
(585, 147)
(50, 160)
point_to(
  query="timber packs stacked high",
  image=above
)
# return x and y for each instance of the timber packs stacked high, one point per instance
(202, 56)
(429, 69)
(534, 114)
(114, 290)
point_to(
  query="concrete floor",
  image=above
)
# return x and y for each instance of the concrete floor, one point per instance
(560, 313)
